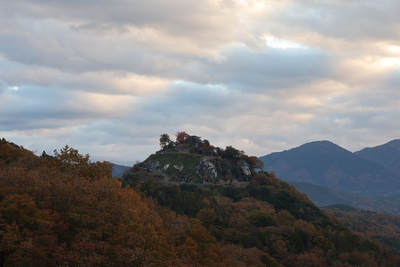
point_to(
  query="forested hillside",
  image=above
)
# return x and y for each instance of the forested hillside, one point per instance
(64, 210)
(263, 213)
(380, 226)
(68, 211)
(387, 155)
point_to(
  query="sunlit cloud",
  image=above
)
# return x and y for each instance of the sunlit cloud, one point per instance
(389, 62)
(274, 42)
(109, 77)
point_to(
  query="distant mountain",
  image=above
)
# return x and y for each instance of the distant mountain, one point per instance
(323, 196)
(387, 155)
(118, 170)
(327, 164)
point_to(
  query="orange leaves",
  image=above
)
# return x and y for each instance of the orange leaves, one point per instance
(255, 162)
(261, 179)
(68, 211)
(284, 218)
(29, 235)
(181, 136)
(305, 227)
(207, 217)
(98, 212)
(198, 233)
(21, 210)
(248, 204)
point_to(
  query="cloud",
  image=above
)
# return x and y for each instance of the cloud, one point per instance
(353, 21)
(108, 77)
(265, 70)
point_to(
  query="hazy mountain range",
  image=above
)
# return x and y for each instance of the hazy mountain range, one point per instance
(387, 155)
(330, 174)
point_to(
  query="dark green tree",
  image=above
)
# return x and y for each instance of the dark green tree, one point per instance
(232, 153)
(164, 140)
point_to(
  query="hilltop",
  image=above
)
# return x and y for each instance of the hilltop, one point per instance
(191, 159)
(255, 211)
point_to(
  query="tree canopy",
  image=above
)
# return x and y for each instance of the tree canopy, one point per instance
(65, 210)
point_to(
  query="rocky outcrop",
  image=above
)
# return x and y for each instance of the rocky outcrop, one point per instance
(178, 167)
(155, 166)
(245, 168)
(207, 171)
(189, 168)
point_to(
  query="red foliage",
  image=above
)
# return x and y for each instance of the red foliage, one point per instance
(181, 136)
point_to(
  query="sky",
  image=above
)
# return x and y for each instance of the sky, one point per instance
(109, 77)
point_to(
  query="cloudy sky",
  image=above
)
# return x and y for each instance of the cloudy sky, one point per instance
(108, 77)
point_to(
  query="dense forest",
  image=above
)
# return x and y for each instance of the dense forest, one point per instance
(65, 210)
(381, 226)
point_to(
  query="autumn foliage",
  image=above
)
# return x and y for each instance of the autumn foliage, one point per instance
(68, 211)
(65, 210)
(267, 222)
(181, 136)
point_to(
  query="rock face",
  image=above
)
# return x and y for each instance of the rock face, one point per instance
(191, 167)
(207, 171)
(166, 167)
(178, 167)
(153, 165)
(245, 168)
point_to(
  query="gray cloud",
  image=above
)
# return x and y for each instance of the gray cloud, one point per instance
(109, 77)
(270, 69)
(351, 20)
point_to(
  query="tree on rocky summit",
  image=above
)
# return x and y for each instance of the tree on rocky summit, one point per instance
(232, 153)
(255, 163)
(181, 136)
(164, 140)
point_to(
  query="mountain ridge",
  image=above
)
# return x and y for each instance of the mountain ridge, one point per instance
(387, 155)
(327, 164)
